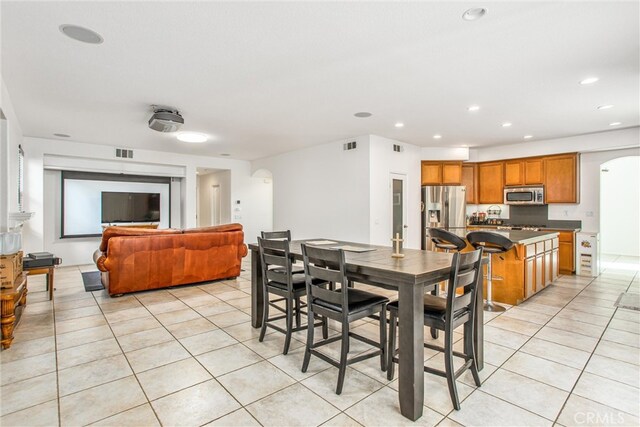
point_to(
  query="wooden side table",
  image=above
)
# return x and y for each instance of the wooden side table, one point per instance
(32, 271)
(12, 302)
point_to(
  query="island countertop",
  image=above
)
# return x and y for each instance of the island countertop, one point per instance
(519, 237)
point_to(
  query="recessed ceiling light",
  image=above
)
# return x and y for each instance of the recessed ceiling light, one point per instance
(193, 137)
(506, 125)
(528, 136)
(437, 136)
(399, 125)
(62, 135)
(615, 124)
(589, 80)
(605, 107)
(473, 108)
(473, 14)
(225, 154)
(81, 34)
(363, 114)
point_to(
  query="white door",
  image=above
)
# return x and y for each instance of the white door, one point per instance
(398, 187)
(215, 205)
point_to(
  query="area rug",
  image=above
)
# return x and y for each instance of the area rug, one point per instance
(629, 301)
(92, 281)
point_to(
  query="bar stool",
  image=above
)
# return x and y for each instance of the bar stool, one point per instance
(492, 243)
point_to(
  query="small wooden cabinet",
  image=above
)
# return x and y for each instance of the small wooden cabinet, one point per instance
(514, 172)
(490, 182)
(441, 173)
(533, 171)
(566, 252)
(561, 178)
(470, 180)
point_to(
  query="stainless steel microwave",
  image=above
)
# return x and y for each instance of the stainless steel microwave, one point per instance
(524, 195)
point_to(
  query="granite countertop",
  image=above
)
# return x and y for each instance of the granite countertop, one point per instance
(519, 237)
(549, 226)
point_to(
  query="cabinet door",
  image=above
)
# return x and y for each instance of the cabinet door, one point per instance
(490, 179)
(548, 267)
(561, 179)
(431, 173)
(555, 269)
(533, 171)
(513, 172)
(539, 272)
(567, 261)
(469, 180)
(452, 173)
(529, 277)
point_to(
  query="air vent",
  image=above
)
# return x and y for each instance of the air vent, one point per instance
(123, 153)
(397, 148)
(349, 146)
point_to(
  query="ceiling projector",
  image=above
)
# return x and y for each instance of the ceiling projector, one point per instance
(165, 119)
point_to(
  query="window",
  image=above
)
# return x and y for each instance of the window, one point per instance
(20, 179)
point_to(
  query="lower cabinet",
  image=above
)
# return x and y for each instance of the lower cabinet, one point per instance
(555, 261)
(529, 277)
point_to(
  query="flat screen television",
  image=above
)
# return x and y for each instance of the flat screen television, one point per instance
(130, 207)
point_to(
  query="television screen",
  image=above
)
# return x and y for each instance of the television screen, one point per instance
(130, 207)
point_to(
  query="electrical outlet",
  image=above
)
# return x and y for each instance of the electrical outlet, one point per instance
(565, 213)
(589, 214)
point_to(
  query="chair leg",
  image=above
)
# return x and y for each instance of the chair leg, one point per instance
(435, 292)
(289, 318)
(325, 327)
(470, 351)
(392, 344)
(298, 312)
(310, 331)
(383, 338)
(344, 351)
(265, 315)
(449, 367)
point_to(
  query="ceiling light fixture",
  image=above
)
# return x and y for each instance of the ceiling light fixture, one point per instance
(399, 125)
(473, 108)
(473, 14)
(81, 34)
(437, 136)
(193, 137)
(62, 135)
(615, 124)
(506, 125)
(589, 80)
(528, 136)
(363, 114)
(605, 107)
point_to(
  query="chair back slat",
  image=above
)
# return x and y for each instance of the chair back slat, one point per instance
(327, 265)
(275, 253)
(277, 235)
(466, 274)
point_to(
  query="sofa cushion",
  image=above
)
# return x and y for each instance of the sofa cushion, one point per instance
(114, 231)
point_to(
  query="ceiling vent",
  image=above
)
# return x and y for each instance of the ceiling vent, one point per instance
(165, 119)
(124, 153)
(349, 146)
(397, 148)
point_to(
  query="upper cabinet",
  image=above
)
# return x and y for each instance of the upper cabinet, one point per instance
(533, 171)
(470, 180)
(441, 173)
(561, 178)
(513, 172)
(490, 182)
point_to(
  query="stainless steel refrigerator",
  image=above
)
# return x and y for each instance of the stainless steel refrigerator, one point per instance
(443, 206)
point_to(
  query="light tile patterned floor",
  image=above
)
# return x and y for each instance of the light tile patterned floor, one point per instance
(188, 356)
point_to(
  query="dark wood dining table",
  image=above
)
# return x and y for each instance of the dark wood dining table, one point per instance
(418, 271)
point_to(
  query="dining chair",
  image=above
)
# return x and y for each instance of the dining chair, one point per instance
(282, 235)
(279, 279)
(341, 303)
(446, 314)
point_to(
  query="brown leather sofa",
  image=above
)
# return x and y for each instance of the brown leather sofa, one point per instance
(134, 259)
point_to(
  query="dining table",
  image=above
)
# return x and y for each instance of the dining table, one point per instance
(411, 275)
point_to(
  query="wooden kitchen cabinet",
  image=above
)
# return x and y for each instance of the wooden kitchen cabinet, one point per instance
(561, 179)
(513, 172)
(490, 182)
(441, 173)
(470, 180)
(533, 171)
(566, 252)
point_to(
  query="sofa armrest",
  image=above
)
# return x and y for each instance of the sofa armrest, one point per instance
(99, 258)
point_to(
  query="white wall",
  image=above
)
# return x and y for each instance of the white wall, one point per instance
(40, 233)
(620, 206)
(205, 182)
(384, 161)
(322, 191)
(9, 142)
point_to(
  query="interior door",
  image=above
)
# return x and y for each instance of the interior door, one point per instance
(215, 205)
(398, 187)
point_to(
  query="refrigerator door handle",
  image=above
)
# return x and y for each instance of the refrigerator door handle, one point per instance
(421, 206)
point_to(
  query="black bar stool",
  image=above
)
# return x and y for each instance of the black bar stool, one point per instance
(492, 243)
(446, 240)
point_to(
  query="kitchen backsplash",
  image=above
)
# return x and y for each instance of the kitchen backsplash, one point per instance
(524, 215)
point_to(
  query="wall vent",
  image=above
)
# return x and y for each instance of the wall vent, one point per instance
(397, 148)
(123, 153)
(349, 146)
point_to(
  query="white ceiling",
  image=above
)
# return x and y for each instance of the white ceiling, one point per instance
(263, 77)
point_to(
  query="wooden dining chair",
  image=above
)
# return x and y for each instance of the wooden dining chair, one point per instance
(342, 303)
(446, 314)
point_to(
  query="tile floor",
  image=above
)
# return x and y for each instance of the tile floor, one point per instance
(188, 356)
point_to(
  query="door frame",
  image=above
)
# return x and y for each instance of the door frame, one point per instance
(401, 177)
(214, 195)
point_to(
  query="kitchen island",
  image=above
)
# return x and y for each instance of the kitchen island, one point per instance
(530, 266)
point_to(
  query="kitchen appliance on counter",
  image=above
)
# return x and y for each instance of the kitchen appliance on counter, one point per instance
(443, 206)
(530, 195)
